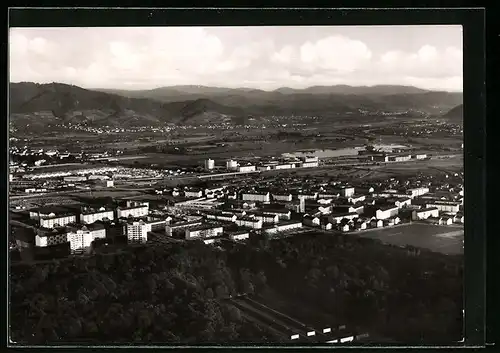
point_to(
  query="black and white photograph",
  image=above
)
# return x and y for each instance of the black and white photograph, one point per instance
(236, 185)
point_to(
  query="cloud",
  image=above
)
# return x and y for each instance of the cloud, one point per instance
(142, 58)
(428, 61)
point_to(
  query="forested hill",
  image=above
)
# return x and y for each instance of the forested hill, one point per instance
(176, 293)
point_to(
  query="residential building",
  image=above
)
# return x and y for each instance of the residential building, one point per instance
(249, 222)
(81, 238)
(450, 207)
(425, 213)
(337, 218)
(255, 196)
(132, 211)
(180, 226)
(415, 192)
(376, 223)
(193, 193)
(283, 227)
(203, 231)
(387, 212)
(221, 216)
(311, 221)
(266, 217)
(90, 215)
(283, 214)
(137, 231)
(46, 237)
(446, 221)
(287, 197)
(54, 221)
(237, 236)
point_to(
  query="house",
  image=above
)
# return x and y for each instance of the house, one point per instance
(458, 218)
(360, 225)
(389, 222)
(327, 226)
(445, 221)
(337, 218)
(376, 223)
(395, 220)
(344, 228)
(425, 213)
(311, 221)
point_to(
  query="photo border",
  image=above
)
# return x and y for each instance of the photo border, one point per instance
(473, 22)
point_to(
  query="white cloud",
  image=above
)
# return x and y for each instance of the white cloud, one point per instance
(139, 58)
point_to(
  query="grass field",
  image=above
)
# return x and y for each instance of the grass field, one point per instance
(443, 239)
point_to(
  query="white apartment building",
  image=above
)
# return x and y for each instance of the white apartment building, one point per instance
(203, 231)
(283, 166)
(425, 213)
(309, 164)
(415, 192)
(171, 228)
(52, 221)
(137, 211)
(80, 240)
(137, 232)
(239, 236)
(254, 196)
(282, 197)
(266, 217)
(387, 212)
(91, 216)
(282, 214)
(48, 239)
(283, 227)
(249, 222)
(450, 207)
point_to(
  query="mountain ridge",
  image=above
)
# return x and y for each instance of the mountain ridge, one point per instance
(71, 103)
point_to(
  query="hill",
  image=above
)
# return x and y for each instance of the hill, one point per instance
(43, 104)
(455, 114)
(40, 105)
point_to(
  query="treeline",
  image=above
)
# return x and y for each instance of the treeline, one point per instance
(148, 295)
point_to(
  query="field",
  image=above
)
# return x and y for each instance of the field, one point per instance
(443, 239)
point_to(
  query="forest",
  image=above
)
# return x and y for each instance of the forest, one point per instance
(176, 293)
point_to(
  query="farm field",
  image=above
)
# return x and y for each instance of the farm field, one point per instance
(443, 239)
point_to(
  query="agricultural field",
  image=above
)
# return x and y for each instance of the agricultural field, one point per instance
(444, 239)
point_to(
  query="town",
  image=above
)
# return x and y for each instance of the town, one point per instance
(250, 204)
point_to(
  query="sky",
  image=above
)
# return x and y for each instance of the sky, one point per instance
(267, 58)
